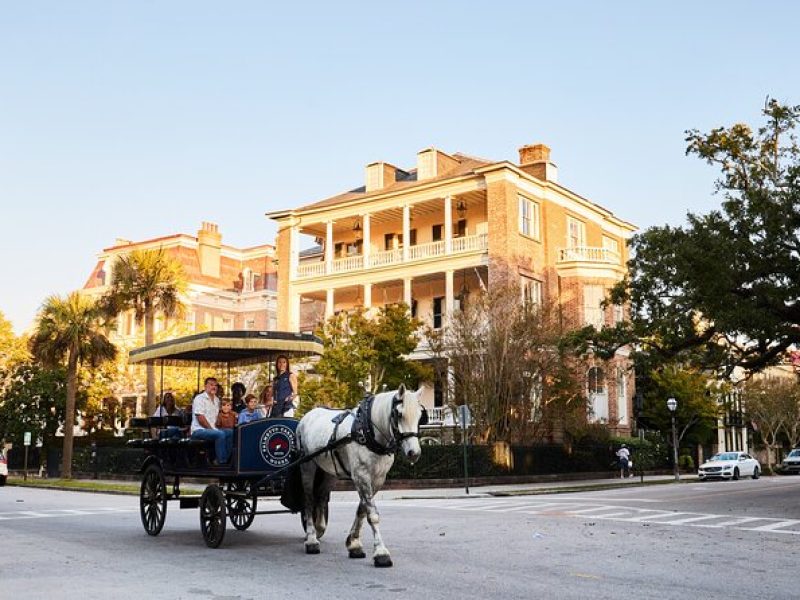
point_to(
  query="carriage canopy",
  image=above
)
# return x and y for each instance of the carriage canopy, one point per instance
(233, 347)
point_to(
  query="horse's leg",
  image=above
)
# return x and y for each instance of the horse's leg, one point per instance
(308, 472)
(322, 493)
(354, 547)
(366, 491)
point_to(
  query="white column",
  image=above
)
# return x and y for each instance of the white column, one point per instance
(367, 247)
(329, 247)
(294, 254)
(448, 223)
(329, 303)
(448, 293)
(368, 296)
(407, 292)
(294, 310)
(406, 230)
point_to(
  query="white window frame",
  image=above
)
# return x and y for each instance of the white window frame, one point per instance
(529, 217)
(610, 243)
(593, 314)
(597, 393)
(531, 290)
(622, 397)
(576, 233)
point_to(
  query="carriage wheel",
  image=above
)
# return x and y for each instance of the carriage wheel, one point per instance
(241, 509)
(153, 500)
(212, 516)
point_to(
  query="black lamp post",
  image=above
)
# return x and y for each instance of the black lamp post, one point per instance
(672, 405)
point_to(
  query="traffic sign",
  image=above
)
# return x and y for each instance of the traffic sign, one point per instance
(27, 439)
(464, 416)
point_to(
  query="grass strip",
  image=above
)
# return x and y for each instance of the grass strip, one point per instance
(83, 485)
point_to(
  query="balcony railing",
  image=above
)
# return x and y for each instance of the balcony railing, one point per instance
(589, 254)
(470, 243)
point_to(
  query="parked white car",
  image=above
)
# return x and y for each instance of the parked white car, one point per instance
(730, 465)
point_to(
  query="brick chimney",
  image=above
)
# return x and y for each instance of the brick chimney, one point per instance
(534, 159)
(433, 163)
(380, 175)
(209, 244)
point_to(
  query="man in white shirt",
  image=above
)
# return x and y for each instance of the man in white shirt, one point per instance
(205, 408)
(624, 456)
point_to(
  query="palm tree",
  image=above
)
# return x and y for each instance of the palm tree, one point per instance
(71, 330)
(148, 282)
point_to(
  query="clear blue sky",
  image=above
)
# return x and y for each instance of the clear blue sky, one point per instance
(140, 119)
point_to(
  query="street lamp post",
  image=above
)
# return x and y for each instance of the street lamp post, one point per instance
(672, 405)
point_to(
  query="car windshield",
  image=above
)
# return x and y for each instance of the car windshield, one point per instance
(725, 456)
(795, 453)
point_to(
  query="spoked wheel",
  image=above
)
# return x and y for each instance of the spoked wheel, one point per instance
(241, 505)
(153, 500)
(212, 516)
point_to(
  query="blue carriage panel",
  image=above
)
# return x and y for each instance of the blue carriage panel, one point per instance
(266, 445)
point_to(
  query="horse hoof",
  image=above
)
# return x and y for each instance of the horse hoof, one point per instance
(383, 561)
(312, 549)
(356, 554)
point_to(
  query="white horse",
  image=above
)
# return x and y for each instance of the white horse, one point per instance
(362, 445)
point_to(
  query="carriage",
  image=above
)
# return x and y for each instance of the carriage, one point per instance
(264, 459)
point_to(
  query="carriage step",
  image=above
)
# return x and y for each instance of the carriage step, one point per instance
(190, 501)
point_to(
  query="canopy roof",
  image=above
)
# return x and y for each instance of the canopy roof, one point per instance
(232, 347)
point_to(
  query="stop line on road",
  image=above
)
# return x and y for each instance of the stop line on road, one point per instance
(60, 512)
(611, 512)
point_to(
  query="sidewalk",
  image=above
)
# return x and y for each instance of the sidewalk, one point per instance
(395, 492)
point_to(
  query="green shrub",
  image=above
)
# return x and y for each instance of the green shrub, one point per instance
(686, 462)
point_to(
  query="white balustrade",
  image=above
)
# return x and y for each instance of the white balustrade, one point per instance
(588, 254)
(351, 263)
(313, 269)
(470, 243)
(385, 257)
(428, 250)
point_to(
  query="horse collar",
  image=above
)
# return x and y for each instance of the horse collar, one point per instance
(363, 429)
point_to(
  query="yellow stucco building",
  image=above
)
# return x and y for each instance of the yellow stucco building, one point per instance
(431, 235)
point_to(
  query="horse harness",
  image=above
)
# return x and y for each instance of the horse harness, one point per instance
(362, 431)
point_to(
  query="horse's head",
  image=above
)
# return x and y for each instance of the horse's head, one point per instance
(406, 413)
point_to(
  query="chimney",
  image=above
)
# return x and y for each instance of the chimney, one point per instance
(209, 243)
(433, 163)
(380, 175)
(534, 159)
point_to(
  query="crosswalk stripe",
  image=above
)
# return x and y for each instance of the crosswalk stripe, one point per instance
(774, 526)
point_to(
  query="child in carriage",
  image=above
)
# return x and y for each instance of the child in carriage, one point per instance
(251, 412)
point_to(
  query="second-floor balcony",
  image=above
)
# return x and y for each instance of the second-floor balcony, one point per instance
(396, 256)
(588, 254)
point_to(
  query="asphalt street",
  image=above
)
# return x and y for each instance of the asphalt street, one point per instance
(693, 540)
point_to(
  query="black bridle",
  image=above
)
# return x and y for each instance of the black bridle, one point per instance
(363, 430)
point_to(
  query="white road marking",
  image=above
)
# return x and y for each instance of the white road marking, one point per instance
(618, 513)
(774, 526)
(61, 512)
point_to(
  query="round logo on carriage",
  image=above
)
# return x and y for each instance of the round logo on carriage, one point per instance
(276, 445)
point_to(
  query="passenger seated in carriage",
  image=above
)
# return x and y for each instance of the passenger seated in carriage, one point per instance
(167, 408)
(205, 409)
(252, 412)
(226, 419)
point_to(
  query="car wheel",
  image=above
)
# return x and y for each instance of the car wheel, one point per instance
(2, 480)
(736, 474)
(756, 473)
